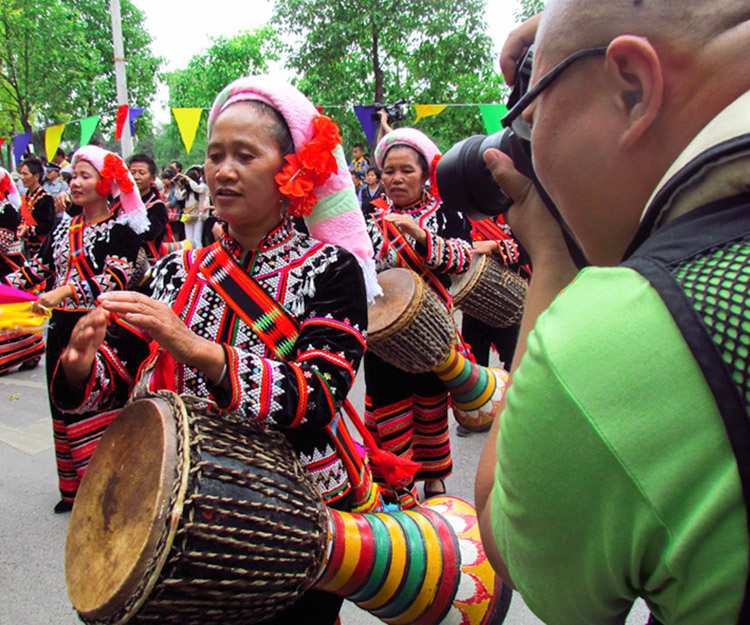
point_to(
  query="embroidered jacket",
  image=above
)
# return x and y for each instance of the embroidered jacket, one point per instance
(323, 289)
(38, 213)
(110, 250)
(10, 247)
(448, 250)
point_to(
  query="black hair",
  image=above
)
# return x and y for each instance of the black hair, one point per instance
(377, 171)
(420, 157)
(359, 145)
(34, 166)
(60, 152)
(144, 158)
(168, 172)
(279, 128)
(177, 166)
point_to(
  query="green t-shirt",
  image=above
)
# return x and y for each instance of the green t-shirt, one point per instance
(615, 476)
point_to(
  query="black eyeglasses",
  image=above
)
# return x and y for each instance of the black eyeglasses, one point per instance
(514, 119)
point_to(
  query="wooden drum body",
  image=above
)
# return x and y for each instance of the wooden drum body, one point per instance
(191, 518)
(490, 292)
(408, 326)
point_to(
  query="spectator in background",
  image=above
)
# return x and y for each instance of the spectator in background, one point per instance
(193, 191)
(54, 183)
(359, 164)
(174, 206)
(59, 159)
(37, 207)
(177, 166)
(371, 190)
(143, 169)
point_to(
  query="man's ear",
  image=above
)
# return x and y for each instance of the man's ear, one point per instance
(635, 69)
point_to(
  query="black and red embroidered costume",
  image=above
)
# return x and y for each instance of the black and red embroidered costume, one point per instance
(92, 258)
(408, 413)
(321, 288)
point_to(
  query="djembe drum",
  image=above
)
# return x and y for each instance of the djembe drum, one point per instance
(490, 292)
(188, 516)
(412, 330)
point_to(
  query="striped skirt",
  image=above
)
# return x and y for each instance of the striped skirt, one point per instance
(17, 349)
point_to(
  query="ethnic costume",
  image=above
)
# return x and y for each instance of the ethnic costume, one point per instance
(24, 349)
(479, 335)
(93, 258)
(408, 413)
(158, 230)
(38, 214)
(90, 258)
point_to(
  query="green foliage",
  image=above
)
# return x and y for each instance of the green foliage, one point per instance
(364, 51)
(56, 63)
(528, 8)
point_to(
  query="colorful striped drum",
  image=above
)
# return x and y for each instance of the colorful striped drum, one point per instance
(423, 566)
(477, 392)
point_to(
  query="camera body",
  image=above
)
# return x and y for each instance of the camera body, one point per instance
(465, 182)
(394, 111)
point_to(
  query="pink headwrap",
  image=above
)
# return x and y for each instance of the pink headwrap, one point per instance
(8, 189)
(116, 181)
(415, 139)
(334, 213)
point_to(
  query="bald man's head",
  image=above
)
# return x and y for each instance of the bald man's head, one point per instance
(568, 25)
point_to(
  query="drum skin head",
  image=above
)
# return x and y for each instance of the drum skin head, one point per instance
(399, 289)
(120, 509)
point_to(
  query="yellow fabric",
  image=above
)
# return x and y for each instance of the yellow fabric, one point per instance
(18, 317)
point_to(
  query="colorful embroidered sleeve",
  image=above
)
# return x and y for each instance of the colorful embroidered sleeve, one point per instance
(448, 249)
(306, 391)
(36, 269)
(116, 268)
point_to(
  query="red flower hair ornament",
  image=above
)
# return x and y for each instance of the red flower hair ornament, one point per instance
(4, 187)
(310, 167)
(113, 170)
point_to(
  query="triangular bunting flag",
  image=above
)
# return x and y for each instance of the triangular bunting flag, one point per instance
(319, 109)
(88, 128)
(364, 115)
(135, 111)
(52, 140)
(187, 121)
(20, 143)
(426, 110)
(2, 140)
(122, 116)
(491, 116)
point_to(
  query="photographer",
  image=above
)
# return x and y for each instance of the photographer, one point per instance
(623, 456)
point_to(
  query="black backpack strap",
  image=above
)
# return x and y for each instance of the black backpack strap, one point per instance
(711, 226)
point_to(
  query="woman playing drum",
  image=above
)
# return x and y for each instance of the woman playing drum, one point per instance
(408, 413)
(266, 322)
(93, 253)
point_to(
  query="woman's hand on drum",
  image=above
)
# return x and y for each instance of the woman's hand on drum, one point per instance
(485, 247)
(167, 329)
(88, 335)
(407, 225)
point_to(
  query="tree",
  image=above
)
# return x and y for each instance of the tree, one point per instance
(56, 61)
(528, 8)
(363, 51)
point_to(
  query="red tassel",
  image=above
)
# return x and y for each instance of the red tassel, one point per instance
(396, 471)
(122, 116)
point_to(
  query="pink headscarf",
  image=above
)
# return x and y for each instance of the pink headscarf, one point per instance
(116, 181)
(335, 215)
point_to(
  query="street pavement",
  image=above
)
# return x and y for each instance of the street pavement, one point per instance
(32, 537)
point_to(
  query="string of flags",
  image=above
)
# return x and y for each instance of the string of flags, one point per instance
(188, 120)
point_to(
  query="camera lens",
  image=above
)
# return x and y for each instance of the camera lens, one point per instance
(465, 182)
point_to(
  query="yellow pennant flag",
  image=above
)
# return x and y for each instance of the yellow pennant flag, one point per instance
(52, 140)
(187, 121)
(426, 110)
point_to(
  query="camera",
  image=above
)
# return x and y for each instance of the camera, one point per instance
(464, 180)
(394, 111)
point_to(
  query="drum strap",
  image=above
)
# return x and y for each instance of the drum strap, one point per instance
(279, 331)
(407, 256)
